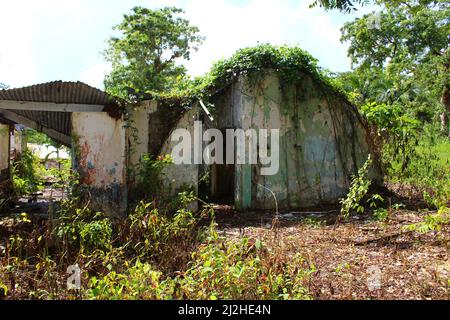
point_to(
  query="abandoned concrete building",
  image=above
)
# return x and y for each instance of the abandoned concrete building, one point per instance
(323, 140)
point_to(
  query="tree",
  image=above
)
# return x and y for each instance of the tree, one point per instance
(342, 5)
(408, 44)
(145, 57)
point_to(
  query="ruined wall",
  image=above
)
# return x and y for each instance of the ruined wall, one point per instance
(99, 144)
(151, 124)
(322, 141)
(162, 121)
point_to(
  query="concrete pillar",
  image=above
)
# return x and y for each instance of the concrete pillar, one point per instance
(138, 132)
(20, 143)
(4, 151)
(99, 150)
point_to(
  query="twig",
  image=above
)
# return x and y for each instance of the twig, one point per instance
(312, 212)
(384, 238)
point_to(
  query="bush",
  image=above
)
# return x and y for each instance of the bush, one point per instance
(147, 177)
(166, 239)
(82, 229)
(220, 269)
(139, 282)
(27, 174)
(358, 190)
(242, 270)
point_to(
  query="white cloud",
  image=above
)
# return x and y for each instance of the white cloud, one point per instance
(229, 27)
(95, 75)
(52, 39)
(17, 66)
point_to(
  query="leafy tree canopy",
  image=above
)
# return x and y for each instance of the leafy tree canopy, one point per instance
(342, 5)
(401, 54)
(145, 57)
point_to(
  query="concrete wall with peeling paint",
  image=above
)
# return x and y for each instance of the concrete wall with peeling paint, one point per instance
(151, 125)
(4, 151)
(99, 149)
(181, 177)
(323, 141)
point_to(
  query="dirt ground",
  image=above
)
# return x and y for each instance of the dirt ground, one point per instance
(359, 259)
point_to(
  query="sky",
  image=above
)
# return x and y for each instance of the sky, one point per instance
(49, 40)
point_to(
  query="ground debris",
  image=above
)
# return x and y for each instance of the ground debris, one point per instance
(362, 259)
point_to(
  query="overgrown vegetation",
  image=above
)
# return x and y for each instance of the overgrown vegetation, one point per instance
(290, 63)
(30, 173)
(399, 83)
(149, 255)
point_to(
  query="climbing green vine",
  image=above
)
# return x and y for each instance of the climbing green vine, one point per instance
(291, 63)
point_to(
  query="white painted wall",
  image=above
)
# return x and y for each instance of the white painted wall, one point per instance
(100, 151)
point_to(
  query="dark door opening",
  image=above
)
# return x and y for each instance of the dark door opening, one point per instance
(222, 183)
(223, 180)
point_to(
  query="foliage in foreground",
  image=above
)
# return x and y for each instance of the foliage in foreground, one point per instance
(150, 255)
(219, 269)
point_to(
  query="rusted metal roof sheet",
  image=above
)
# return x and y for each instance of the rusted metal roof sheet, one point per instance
(59, 121)
(59, 92)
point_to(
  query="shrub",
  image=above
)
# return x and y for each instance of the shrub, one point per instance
(241, 270)
(147, 177)
(27, 174)
(358, 190)
(82, 229)
(164, 238)
(220, 270)
(139, 282)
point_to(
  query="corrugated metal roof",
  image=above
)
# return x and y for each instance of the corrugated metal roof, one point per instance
(59, 121)
(59, 92)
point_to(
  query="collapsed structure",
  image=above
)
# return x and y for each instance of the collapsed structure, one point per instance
(323, 138)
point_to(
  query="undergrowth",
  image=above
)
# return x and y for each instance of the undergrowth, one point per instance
(149, 255)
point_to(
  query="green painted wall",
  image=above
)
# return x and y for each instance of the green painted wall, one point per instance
(323, 141)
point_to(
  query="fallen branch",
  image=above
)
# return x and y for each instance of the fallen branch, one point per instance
(384, 238)
(311, 213)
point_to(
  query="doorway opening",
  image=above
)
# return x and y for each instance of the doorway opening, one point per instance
(223, 180)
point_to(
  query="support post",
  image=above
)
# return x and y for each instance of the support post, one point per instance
(4, 151)
(6, 188)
